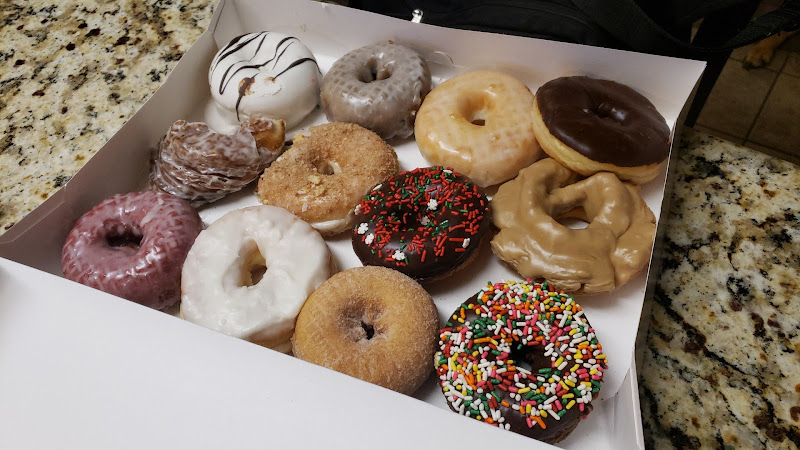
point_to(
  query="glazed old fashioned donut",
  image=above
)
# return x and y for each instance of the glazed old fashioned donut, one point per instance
(379, 87)
(323, 176)
(133, 246)
(426, 223)
(371, 323)
(249, 273)
(523, 357)
(592, 125)
(479, 124)
(264, 74)
(614, 246)
(201, 166)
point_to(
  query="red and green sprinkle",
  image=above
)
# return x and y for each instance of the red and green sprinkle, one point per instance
(478, 373)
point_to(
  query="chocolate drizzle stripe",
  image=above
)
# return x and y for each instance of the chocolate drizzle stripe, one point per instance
(224, 83)
(230, 52)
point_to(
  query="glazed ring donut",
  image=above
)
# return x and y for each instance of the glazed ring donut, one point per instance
(426, 223)
(249, 273)
(522, 357)
(264, 74)
(479, 124)
(371, 323)
(379, 87)
(133, 246)
(591, 126)
(323, 176)
(613, 248)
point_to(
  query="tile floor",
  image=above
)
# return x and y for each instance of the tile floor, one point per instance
(758, 108)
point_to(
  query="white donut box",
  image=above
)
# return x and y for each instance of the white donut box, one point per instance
(83, 369)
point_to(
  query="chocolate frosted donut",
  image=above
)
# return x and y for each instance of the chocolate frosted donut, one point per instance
(521, 356)
(133, 246)
(379, 87)
(592, 125)
(424, 223)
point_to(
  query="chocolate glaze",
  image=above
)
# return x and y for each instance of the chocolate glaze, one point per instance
(604, 120)
(396, 218)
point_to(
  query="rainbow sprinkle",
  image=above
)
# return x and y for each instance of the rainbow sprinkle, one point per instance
(478, 368)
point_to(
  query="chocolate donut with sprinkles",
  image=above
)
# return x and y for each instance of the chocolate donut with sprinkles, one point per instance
(425, 223)
(521, 356)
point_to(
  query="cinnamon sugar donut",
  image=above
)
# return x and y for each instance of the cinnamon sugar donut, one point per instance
(371, 323)
(479, 124)
(591, 125)
(201, 166)
(613, 248)
(323, 176)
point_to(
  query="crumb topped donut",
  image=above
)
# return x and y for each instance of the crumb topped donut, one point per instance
(379, 87)
(371, 323)
(523, 357)
(591, 125)
(479, 124)
(426, 223)
(324, 174)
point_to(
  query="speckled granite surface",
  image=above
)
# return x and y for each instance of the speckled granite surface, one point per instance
(720, 364)
(71, 74)
(722, 361)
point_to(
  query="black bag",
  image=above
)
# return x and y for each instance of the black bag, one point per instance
(656, 26)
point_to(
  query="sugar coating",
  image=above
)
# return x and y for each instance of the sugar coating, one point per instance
(331, 329)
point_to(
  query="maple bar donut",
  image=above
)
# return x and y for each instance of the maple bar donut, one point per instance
(201, 166)
(264, 74)
(133, 246)
(591, 125)
(521, 356)
(249, 273)
(479, 124)
(379, 87)
(371, 323)
(614, 246)
(426, 223)
(326, 172)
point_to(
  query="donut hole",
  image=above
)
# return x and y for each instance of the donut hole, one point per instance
(368, 329)
(254, 267)
(326, 167)
(359, 321)
(375, 71)
(607, 111)
(124, 239)
(575, 218)
(473, 109)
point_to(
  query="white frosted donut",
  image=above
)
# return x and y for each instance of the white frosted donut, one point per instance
(264, 75)
(220, 285)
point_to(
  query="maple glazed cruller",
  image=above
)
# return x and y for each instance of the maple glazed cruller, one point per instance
(379, 87)
(614, 246)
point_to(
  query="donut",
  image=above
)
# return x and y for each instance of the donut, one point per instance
(479, 124)
(249, 273)
(614, 247)
(133, 246)
(201, 166)
(591, 125)
(371, 323)
(521, 356)
(379, 87)
(425, 223)
(264, 74)
(323, 175)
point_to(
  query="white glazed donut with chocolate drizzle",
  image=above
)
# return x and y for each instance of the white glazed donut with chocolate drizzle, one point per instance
(265, 75)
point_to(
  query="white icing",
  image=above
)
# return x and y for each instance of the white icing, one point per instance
(213, 295)
(277, 90)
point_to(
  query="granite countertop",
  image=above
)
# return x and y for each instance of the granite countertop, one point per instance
(722, 346)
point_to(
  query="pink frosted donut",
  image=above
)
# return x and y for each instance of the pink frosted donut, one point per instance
(133, 246)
